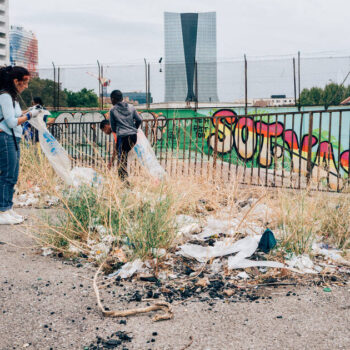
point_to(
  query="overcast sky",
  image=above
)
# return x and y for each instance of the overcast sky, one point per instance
(119, 31)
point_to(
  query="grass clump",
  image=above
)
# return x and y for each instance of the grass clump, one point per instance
(305, 217)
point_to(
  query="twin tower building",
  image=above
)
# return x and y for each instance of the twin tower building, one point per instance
(190, 57)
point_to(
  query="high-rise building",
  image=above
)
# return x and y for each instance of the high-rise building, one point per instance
(190, 57)
(23, 48)
(4, 32)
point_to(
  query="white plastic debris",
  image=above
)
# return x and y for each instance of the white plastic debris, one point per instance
(243, 275)
(74, 249)
(244, 263)
(244, 248)
(330, 254)
(26, 200)
(303, 263)
(46, 251)
(99, 250)
(130, 268)
(87, 176)
(203, 254)
(216, 266)
(51, 200)
(215, 226)
(158, 252)
(146, 156)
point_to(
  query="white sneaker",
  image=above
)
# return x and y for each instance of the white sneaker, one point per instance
(7, 219)
(16, 216)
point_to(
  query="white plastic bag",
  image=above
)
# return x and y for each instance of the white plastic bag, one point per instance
(145, 155)
(54, 152)
(58, 157)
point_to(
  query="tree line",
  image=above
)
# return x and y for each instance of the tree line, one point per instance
(332, 95)
(44, 88)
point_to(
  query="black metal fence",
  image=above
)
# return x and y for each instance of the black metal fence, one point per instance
(291, 149)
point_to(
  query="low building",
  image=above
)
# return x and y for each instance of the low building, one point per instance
(273, 101)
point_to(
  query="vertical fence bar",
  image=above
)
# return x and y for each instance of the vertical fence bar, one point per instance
(292, 154)
(283, 146)
(146, 82)
(184, 146)
(275, 151)
(267, 150)
(259, 143)
(231, 148)
(215, 148)
(309, 150)
(162, 122)
(319, 158)
(167, 143)
(330, 142)
(178, 139)
(300, 148)
(196, 146)
(203, 138)
(339, 146)
(245, 148)
(190, 146)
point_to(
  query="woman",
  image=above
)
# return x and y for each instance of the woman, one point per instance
(13, 81)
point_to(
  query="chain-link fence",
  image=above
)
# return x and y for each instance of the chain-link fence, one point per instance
(233, 81)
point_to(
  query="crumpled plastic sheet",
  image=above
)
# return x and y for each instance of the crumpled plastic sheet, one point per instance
(303, 263)
(332, 254)
(244, 248)
(129, 269)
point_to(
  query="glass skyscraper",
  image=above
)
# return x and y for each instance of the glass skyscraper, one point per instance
(23, 48)
(190, 38)
(4, 32)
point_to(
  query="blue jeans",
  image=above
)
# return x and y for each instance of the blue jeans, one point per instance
(9, 167)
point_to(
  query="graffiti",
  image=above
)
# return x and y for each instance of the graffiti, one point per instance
(268, 141)
(154, 126)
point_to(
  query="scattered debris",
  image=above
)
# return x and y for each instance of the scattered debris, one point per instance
(301, 262)
(46, 251)
(267, 241)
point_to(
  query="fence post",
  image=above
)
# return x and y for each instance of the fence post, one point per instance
(295, 83)
(309, 150)
(99, 82)
(245, 85)
(149, 85)
(58, 87)
(299, 106)
(102, 87)
(146, 82)
(196, 85)
(54, 86)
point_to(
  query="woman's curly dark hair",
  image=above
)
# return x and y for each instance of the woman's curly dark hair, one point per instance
(7, 76)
